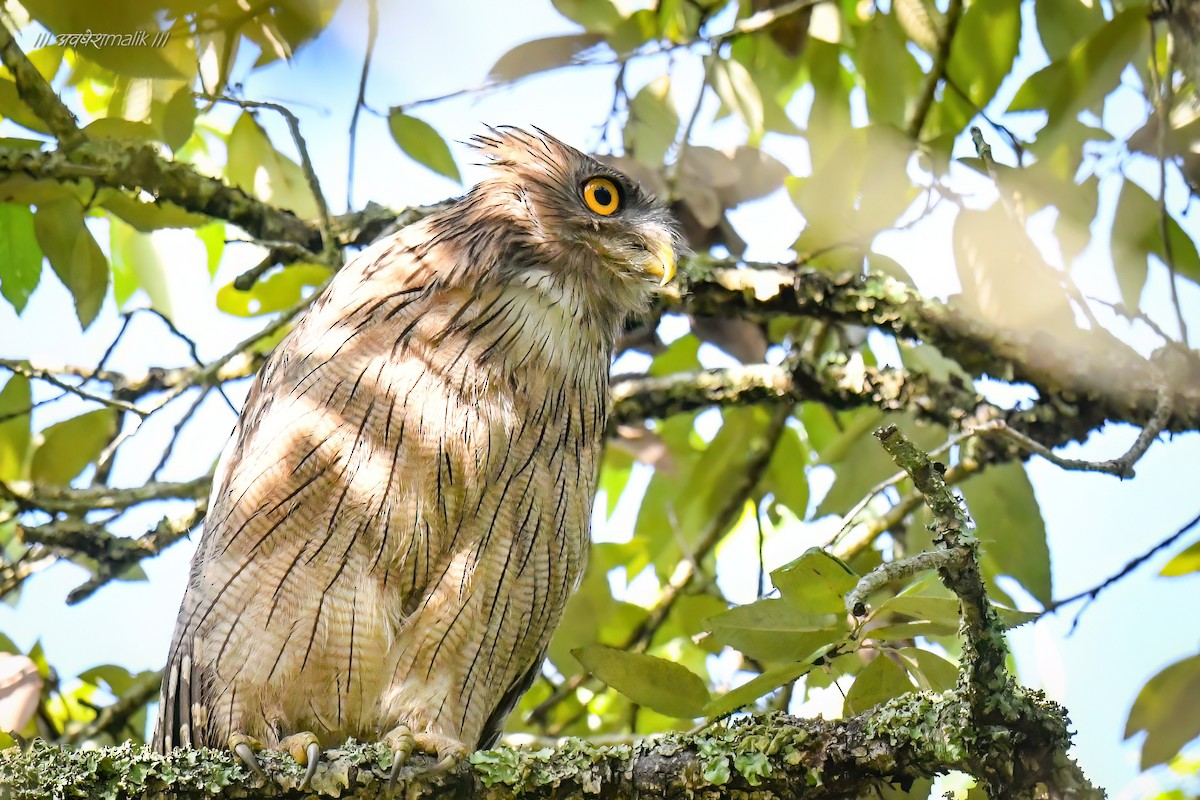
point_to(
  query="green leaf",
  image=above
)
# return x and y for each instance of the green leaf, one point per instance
(1089, 72)
(423, 144)
(276, 292)
(890, 74)
(67, 447)
(816, 582)
(213, 237)
(1062, 24)
(653, 123)
(911, 630)
(880, 680)
(179, 118)
(542, 55)
(767, 682)
(1160, 710)
(147, 217)
(1184, 563)
(681, 355)
(773, 630)
(658, 684)
(14, 109)
(735, 86)
(20, 256)
(984, 46)
(121, 130)
(256, 167)
(1010, 527)
(136, 263)
(74, 255)
(15, 401)
(1137, 231)
(931, 671)
(939, 610)
(786, 478)
(599, 16)
(114, 678)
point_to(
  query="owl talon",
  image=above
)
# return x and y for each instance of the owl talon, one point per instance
(243, 747)
(314, 757)
(306, 750)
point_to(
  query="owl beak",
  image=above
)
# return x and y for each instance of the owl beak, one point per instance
(661, 263)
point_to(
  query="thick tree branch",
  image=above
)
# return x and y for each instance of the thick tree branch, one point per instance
(37, 93)
(119, 165)
(915, 736)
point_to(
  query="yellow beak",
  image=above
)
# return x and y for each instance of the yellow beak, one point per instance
(661, 263)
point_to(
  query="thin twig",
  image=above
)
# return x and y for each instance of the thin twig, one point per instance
(941, 60)
(1122, 466)
(24, 369)
(1163, 91)
(330, 243)
(1133, 564)
(372, 35)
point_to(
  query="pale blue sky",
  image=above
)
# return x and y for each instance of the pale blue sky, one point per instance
(1095, 523)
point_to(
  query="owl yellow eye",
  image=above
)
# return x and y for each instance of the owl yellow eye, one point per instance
(601, 196)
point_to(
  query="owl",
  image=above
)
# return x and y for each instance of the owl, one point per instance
(403, 510)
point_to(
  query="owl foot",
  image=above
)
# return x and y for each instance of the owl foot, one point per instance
(243, 747)
(303, 747)
(403, 741)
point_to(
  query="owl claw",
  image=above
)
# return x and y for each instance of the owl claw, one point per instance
(243, 747)
(403, 742)
(306, 750)
(314, 757)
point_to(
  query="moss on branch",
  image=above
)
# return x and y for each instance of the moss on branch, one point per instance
(914, 736)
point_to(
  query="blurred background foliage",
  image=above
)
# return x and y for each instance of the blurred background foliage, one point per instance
(855, 113)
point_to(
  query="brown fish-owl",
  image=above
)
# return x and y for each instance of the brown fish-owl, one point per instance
(404, 507)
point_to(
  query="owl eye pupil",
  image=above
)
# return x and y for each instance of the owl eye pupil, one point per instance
(603, 196)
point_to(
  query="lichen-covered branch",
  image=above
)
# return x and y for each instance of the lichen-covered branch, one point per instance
(991, 708)
(33, 89)
(1093, 377)
(915, 736)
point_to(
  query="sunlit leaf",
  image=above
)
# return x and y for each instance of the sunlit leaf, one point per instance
(15, 400)
(256, 167)
(67, 447)
(1184, 563)
(179, 118)
(137, 263)
(815, 583)
(1010, 526)
(1062, 24)
(213, 236)
(928, 669)
(889, 72)
(599, 16)
(656, 683)
(984, 46)
(1137, 231)
(1159, 710)
(541, 55)
(276, 292)
(882, 679)
(423, 144)
(735, 86)
(653, 123)
(760, 685)
(1089, 72)
(773, 630)
(74, 255)
(20, 256)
